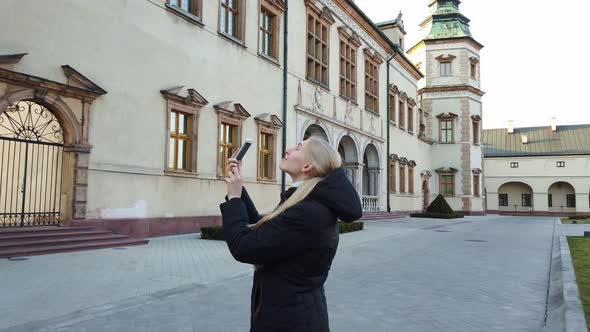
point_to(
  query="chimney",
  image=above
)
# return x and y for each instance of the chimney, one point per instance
(553, 124)
(510, 127)
(524, 139)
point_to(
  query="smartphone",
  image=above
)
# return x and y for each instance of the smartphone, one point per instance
(242, 151)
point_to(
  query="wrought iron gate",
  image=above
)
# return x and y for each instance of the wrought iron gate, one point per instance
(31, 163)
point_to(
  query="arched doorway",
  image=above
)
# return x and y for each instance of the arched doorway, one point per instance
(315, 130)
(561, 198)
(371, 172)
(516, 197)
(348, 152)
(31, 165)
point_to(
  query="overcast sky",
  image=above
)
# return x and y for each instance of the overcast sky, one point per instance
(532, 66)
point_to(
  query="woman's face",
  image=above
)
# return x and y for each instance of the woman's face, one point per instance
(296, 162)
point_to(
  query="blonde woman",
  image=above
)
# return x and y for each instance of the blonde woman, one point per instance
(292, 247)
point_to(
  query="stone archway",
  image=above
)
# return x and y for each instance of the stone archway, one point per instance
(371, 176)
(70, 105)
(515, 197)
(561, 198)
(350, 161)
(315, 130)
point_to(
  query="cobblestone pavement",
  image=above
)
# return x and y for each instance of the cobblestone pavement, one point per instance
(473, 274)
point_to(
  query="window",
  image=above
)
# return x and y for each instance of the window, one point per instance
(410, 119)
(445, 69)
(182, 117)
(402, 178)
(514, 164)
(401, 42)
(192, 7)
(348, 55)
(422, 129)
(266, 152)
(446, 131)
(561, 164)
(268, 28)
(402, 114)
(231, 22)
(476, 185)
(570, 200)
(474, 62)
(392, 171)
(180, 142)
(228, 143)
(267, 143)
(266, 34)
(503, 199)
(392, 107)
(550, 200)
(475, 132)
(318, 36)
(411, 179)
(447, 184)
(526, 200)
(372, 63)
(230, 118)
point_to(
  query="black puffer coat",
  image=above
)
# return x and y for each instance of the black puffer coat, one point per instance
(295, 252)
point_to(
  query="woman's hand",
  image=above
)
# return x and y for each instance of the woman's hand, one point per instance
(234, 179)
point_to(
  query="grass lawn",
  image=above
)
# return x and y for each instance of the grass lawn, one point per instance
(580, 249)
(568, 220)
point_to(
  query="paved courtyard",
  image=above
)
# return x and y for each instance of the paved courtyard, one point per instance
(475, 274)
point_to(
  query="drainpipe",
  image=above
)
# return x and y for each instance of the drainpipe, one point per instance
(387, 170)
(285, 53)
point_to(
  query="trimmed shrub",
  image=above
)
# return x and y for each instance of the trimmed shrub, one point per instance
(350, 227)
(212, 233)
(453, 215)
(439, 209)
(216, 232)
(439, 205)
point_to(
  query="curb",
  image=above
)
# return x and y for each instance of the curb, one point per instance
(573, 309)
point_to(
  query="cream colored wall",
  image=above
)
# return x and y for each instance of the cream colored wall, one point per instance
(134, 49)
(540, 173)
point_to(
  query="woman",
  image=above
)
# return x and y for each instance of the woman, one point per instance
(292, 247)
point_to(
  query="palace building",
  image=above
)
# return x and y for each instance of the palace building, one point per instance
(121, 114)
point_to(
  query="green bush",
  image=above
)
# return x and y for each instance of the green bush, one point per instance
(216, 232)
(350, 227)
(212, 233)
(440, 205)
(453, 215)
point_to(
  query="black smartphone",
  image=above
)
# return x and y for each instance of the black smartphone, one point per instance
(242, 152)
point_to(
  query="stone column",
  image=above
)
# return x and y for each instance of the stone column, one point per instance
(582, 203)
(540, 202)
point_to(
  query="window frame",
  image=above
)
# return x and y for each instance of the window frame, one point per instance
(240, 21)
(550, 200)
(514, 164)
(447, 117)
(443, 62)
(268, 128)
(393, 96)
(410, 179)
(234, 117)
(560, 164)
(191, 106)
(392, 176)
(401, 112)
(402, 177)
(476, 185)
(325, 20)
(373, 63)
(194, 14)
(350, 42)
(570, 200)
(500, 200)
(441, 183)
(526, 198)
(276, 10)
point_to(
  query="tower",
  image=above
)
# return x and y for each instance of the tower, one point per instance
(450, 96)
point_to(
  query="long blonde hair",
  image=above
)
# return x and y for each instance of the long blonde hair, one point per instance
(325, 159)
